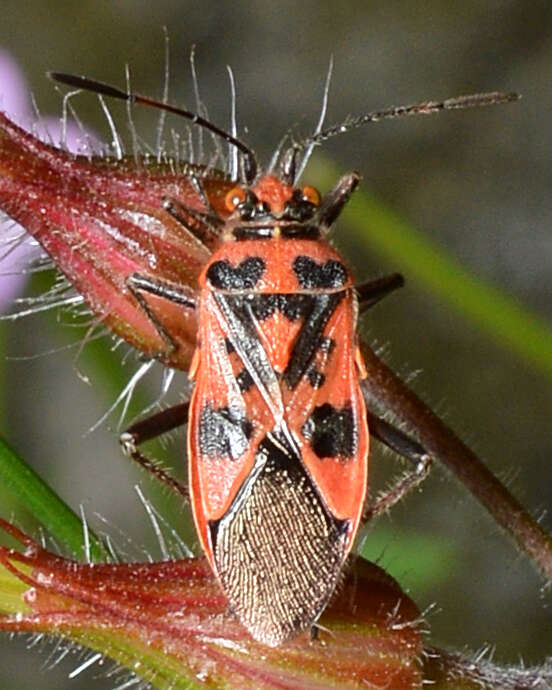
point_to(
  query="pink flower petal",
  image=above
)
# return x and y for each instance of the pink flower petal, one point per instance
(14, 92)
(15, 255)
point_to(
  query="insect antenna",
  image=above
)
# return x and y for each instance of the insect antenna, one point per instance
(475, 100)
(248, 157)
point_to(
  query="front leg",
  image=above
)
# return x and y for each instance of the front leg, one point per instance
(138, 284)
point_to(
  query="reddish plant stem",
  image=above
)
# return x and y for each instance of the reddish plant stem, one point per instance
(386, 389)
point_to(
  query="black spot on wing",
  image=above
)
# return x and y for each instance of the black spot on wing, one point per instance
(312, 276)
(331, 432)
(223, 276)
(223, 432)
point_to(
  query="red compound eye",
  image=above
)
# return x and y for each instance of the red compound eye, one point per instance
(235, 196)
(311, 195)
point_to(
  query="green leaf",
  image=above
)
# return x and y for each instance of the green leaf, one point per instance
(419, 562)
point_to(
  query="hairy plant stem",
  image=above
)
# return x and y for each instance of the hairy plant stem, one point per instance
(454, 671)
(385, 388)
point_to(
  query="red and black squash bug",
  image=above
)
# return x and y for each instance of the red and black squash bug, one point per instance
(278, 435)
(277, 439)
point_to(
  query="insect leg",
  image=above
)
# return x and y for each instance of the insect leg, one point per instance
(137, 284)
(202, 225)
(150, 428)
(370, 293)
(408, 448)
(334, 201)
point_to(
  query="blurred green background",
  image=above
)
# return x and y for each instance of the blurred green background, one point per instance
(475, 183)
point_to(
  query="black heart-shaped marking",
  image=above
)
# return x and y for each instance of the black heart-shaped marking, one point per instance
(311, 275)
(222, 275)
